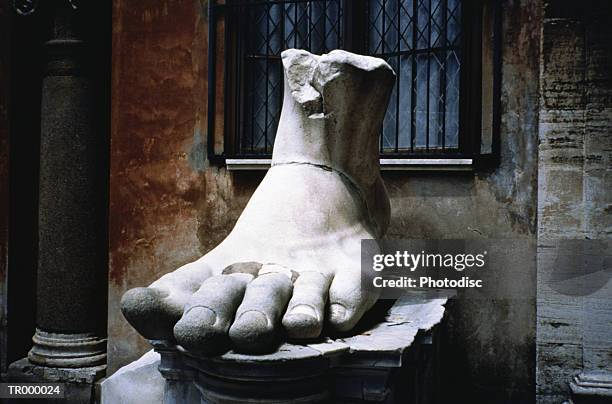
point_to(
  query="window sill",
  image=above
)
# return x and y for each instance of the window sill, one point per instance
(408, 164)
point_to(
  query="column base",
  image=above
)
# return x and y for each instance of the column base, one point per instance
(76, 360)
(592, 387)
(67, 350)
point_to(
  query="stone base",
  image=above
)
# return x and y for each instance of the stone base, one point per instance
(79, 382)
(593, 387)
(390, 361)
(67, 350)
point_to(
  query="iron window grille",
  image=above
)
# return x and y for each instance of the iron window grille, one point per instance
(446, 54)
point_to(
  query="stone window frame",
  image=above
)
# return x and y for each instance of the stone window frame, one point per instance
(479, 104)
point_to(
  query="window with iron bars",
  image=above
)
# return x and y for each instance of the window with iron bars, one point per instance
(445, 102)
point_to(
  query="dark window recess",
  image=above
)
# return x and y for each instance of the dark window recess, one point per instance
(436, 47)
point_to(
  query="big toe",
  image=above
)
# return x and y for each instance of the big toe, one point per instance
(150, 312)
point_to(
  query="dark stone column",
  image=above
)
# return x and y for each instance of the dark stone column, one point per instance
(72, 215)
(72, 262)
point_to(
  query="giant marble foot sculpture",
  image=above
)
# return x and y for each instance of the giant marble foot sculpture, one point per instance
(292, 262)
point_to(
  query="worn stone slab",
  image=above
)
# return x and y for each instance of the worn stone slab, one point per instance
(23, 369)
(396, 333)
(330, 347)
(284, 353)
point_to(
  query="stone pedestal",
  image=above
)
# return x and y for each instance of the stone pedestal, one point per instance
(391, 360)
(594, 387)
(78, 382)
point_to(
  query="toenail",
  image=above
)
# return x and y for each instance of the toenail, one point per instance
(304, 309)
(254, 318)
(204, 315)
(338, 312)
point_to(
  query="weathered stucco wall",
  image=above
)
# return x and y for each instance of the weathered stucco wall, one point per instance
(158, 104)
(575, 192)
(488, 351)
(168, 206)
